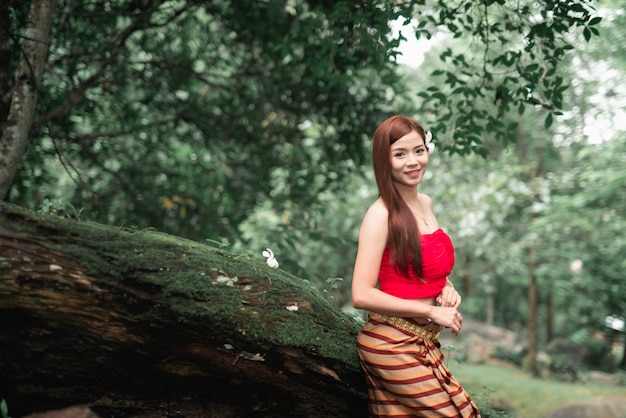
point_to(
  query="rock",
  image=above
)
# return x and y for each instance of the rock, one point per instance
(603, 378)
(479, 341)
(575, 352)
(614, 407)
(71, 412)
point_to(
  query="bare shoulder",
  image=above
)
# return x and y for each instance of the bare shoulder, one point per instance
(375, 219)
(426, 201)
(377, 210)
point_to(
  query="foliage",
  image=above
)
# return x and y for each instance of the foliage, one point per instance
(514, 357)
(187, 116)
(599, 357)
(315, 244)
(506, 59)
(332, 284)
(485, 400)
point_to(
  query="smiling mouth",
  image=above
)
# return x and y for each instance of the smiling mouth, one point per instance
(413, 173)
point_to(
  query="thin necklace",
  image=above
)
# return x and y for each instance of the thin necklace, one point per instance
(420, 216)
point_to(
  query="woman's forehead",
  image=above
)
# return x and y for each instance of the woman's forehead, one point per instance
(410, 140)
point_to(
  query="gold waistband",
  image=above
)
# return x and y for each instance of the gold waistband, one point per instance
(408, 326)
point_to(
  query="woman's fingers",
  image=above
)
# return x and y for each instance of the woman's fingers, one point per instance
(449, 297)
(449, 317)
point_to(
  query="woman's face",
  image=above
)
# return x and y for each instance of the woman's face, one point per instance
(409, 159)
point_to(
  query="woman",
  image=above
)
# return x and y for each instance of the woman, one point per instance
(401, 278)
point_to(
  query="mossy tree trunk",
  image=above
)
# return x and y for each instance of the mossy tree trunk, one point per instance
(140, 323)
(34, 49)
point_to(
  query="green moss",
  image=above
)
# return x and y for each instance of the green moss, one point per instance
(186, 274)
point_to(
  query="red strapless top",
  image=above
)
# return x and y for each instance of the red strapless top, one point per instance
(437, 264)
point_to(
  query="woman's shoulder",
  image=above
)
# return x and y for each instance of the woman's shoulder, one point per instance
(425, 199)
(378, 209)
(376, 215)
(373, 231)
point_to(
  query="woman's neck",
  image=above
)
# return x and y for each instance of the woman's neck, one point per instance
(409, 195)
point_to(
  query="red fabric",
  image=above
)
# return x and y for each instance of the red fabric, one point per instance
(437, 264)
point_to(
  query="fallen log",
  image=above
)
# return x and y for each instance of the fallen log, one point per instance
(140, 323)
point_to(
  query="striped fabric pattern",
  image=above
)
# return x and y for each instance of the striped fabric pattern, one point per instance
(407, 376)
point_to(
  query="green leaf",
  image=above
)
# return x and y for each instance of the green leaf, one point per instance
(531, 67)
(548, 121)
(442, 97)
(594, 21)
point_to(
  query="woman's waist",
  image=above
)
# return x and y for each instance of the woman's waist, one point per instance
(432, 300)
(421, 327)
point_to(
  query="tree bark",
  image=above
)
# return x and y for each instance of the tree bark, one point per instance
(549, 314)
(622, 363)
(532, 313)
(24, 100)
(533, 286)
(140, 323)
(5, 64)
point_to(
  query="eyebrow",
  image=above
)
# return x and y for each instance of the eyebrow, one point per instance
(404, 148)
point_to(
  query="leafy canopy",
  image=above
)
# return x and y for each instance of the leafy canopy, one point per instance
(187, 115)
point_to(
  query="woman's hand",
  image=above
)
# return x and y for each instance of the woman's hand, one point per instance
(449, 297)
(448, 317)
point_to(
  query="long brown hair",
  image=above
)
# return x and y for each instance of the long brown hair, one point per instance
(403, 236)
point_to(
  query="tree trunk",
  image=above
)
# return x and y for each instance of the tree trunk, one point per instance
(533, 286)
(532, 315)
(622, 363)
(549, 315)
(24, 100)
(143, 324)
(5, 65)
(490, 306)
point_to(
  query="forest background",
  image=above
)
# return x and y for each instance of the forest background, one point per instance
(247, 125)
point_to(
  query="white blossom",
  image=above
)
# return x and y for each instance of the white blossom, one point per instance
(271, 260)
(428, 141)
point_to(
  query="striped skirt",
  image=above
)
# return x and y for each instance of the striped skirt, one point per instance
(406, 374)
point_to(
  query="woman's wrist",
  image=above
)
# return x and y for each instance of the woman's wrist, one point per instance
(429, 313)
(449, 283)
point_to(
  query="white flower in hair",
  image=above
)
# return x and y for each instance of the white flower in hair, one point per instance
(428, 141)
(271, 260)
